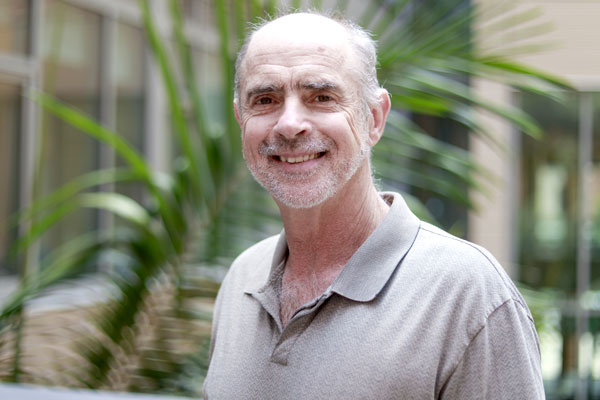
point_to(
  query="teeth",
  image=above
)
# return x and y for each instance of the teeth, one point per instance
(293, 160)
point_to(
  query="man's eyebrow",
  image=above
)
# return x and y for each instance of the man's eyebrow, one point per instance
(322, 85)
(262, 89)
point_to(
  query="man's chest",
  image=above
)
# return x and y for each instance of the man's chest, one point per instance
(299, 289)
(335, 348)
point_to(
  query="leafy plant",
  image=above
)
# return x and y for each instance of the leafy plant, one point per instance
(150, 329)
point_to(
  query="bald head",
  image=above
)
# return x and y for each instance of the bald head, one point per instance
(301, 28)
(306, 29)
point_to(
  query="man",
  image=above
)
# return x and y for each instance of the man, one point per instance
(357, 298)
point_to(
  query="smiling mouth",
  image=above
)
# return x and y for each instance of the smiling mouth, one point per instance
(299, 159)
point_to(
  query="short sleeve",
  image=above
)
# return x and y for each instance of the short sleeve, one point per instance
(501, 362)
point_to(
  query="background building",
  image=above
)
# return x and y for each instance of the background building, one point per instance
(541, 220)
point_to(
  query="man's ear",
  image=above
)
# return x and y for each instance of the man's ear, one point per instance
(379, 113)
(236, 111)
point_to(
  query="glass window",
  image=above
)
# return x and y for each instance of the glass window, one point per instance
(130, 75)
(548, 229)
(593, 295)
(549, 234)
(14, 17)
(10, 116)
(71, 50)
(548, 212)
(595, 194)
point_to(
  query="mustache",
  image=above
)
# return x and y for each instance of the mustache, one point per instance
(303, 144)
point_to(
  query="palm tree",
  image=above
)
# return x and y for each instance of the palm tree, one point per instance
(150, 330)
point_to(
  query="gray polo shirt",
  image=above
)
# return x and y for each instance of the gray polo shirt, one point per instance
(415, 314)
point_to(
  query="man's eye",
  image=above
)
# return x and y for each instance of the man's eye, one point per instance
(264, 101)
(322, 98)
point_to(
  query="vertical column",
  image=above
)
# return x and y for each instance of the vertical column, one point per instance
(107, 84)
(157, 141)
(491, 224)
(107, 106)
(514, 198)
(584, 215)
(30, 123)
(107, 101)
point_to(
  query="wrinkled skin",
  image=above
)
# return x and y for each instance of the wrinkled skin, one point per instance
(302, 100)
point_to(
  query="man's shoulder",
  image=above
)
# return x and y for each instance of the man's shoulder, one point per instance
(453, 245)
(461, 279)
(465, 264)
(457, 251)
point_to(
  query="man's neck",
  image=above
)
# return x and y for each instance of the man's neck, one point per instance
(327, 235)
(322, 239)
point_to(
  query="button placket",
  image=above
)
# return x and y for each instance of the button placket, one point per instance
(295, 327)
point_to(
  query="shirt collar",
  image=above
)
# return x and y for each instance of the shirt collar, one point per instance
(370, 268)
(372, 265)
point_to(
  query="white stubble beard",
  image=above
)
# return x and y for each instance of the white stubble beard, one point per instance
(298, 190)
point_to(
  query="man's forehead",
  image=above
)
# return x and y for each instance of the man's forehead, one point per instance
(302, 26)
(298, 33)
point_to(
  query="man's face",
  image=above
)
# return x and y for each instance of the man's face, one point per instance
(303, 133)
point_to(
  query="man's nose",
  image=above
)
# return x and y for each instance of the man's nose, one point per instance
(293, 119)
